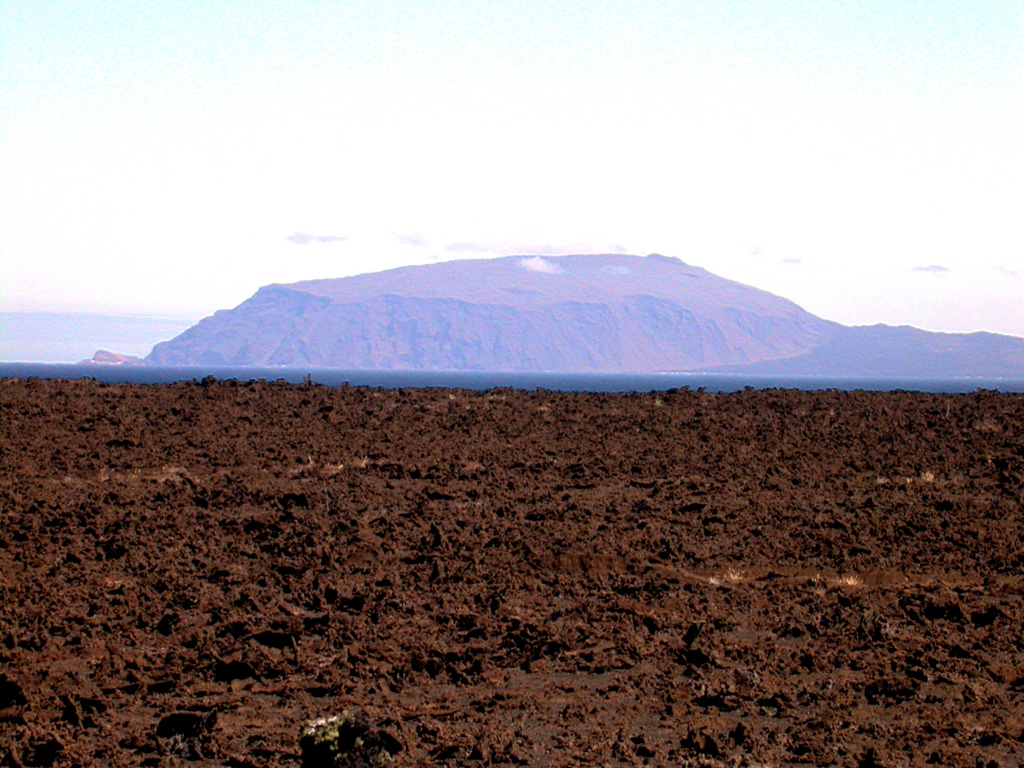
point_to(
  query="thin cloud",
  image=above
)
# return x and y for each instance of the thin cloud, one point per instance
(509, 247)
(1002, 270)
(411, 240)
(936, 269)
(463, 247)
(540, 264)
(570, 249)
(792, 261)
(302, 238)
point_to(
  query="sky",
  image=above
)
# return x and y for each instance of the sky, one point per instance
(169, 158)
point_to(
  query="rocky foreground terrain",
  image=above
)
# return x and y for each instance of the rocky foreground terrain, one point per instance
(189, 573)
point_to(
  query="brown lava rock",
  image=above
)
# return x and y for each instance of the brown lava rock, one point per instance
(190, 572)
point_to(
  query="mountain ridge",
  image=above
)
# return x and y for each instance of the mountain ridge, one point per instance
(583, 313)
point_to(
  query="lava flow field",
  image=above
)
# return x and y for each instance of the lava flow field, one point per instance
(190, 572)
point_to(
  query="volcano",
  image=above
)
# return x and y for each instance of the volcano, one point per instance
(581, 313)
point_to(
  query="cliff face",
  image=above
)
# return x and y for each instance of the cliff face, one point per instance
(583, 313)
(569, 313)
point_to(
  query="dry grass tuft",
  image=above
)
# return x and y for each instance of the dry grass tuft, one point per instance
(731, 576)
(848, 580)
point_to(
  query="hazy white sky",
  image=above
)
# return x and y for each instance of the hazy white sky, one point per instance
(863, 159)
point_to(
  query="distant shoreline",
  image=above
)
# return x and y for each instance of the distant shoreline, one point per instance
(484, 380)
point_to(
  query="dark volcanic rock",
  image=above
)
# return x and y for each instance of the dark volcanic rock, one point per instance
(568, 313)
(504, 578)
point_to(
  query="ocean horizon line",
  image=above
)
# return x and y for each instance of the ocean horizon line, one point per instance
(483, 380)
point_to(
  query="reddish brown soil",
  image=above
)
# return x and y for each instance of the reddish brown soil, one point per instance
(189, 572)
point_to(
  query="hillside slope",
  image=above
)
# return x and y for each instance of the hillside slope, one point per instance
(585, 313)
(603, 313)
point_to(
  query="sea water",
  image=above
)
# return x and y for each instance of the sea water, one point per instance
(484, 380)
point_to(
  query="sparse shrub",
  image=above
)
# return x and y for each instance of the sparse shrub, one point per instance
(347, 740)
